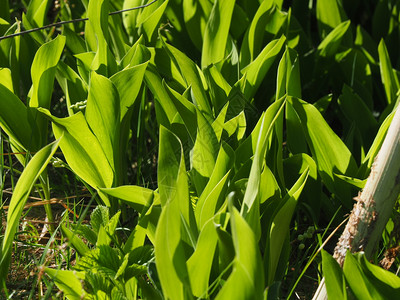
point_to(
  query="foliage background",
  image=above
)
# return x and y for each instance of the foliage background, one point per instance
(225, 138)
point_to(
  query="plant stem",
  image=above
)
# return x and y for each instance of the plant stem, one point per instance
(374, 204)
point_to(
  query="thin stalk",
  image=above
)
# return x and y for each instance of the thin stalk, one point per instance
(44, 181)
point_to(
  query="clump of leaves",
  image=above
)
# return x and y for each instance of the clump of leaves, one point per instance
(107, 267)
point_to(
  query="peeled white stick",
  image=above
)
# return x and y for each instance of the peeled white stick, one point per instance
(374, 204)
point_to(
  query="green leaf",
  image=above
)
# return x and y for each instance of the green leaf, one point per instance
(334, 278)
(288, 77)
(149, 25)
(280, 225)
(251, 200)
(213, 192)
(390, 80)
(356, 278)
(252, 41)
(217, 32)
(43, 71)
(195, 14)
(99, 217)
(192, 76)
(14, 120)
(82, 150)
(330, 14)
(357, 111)
(96, 35)
(205, 153)
(75, 241)
(69, 282)
(387, 283)
(330, 45)
(186, 110)
(136, 196)
(103, 115)
(128, 83)
(247, 278)
(37, 12)
(20, 195)
(173, 180)
(72, 84)
(176, 224)
(6, 78)
(165, 108)
(329, 152)
(255, 71)
(200, 263)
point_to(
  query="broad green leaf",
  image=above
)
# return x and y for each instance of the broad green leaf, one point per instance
(6, 78)
(137, 55)
(280, 225)
(334, 278)
(217, 32)
(247, 278)
(376, 145)
(173, 180)
(73, 41)
(136, 196)
(186, 110)
(251, 200)
(210, 202)
(176, 211)
(84, 64)
(99, 217)
(73, 86)
(103, 115)
(37, 12)
(330, 14)
(195, 14)
(387, 283)
(128, 83)
(200, 263)
(96, 35)
(255, 71)
(390, 80)
(82, 150)
(170, 256)
(296, 140)
(288, 77)
(20, 195)
(213, 192)
(150, 23)
(358, 183)
(330, 45)
(356, 111)
(165, 108)
(253, 38)
(191, 74)
(75, 241)
(69, 282)
(219, 87)
(5, 12)
(14, 120)
(129, 18)
(329, 152)
(43, 71)
(356, 279)
(205, 153)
